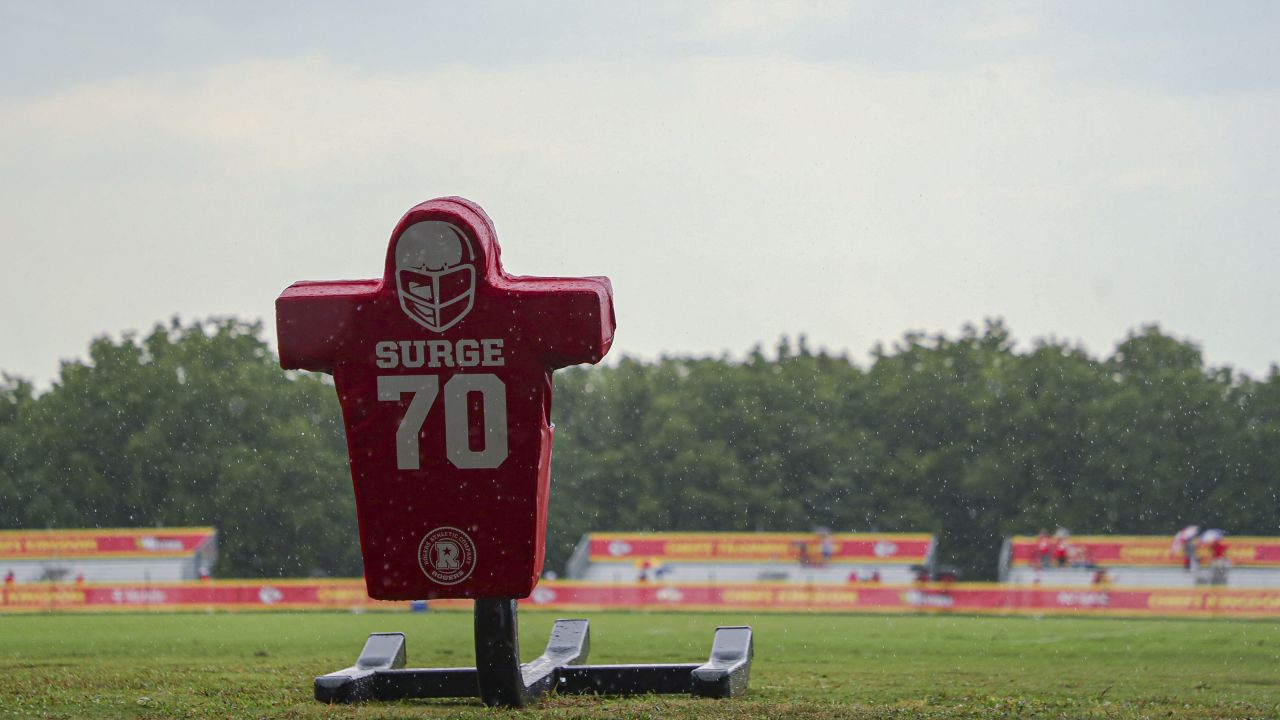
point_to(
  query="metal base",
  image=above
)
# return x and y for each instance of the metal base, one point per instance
(500, 680)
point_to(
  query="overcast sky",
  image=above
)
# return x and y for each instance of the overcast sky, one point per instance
(740, 170)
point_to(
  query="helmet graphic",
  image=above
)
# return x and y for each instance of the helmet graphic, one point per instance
(435, 274)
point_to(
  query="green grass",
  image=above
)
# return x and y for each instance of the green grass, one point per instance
(807, 666)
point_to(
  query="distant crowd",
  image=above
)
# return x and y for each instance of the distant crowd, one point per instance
(1190, 544)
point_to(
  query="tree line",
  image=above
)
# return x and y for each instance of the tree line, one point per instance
(965, 436)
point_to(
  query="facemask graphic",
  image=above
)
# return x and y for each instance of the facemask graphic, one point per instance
(435, 274)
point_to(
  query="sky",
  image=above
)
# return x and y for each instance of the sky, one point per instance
(741, 170)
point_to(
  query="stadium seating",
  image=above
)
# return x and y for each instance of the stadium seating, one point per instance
(750, 557)
(108, 555)
(1140, 561)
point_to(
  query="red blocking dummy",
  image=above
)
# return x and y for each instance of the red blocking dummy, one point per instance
(443, 368)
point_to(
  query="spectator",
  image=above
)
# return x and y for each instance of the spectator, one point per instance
(9, 578)
(1185, 542)
(875, 576)
(827, 545)
(802, 549)
(1217, 555)
(1061, 546)
(1044, 548)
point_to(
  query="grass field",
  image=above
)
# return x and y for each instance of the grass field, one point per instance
(807, 666)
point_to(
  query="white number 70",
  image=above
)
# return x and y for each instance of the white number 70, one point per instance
(424, 389)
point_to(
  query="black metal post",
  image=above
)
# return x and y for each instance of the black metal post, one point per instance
(503, 680)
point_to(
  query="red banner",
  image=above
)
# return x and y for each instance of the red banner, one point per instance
(1117, 551)
(965, 598)
(957, 597)
(579, 596)
(216, 594)
(123, 543)
(850, 548)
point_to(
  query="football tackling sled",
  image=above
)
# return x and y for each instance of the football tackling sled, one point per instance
(443, 369)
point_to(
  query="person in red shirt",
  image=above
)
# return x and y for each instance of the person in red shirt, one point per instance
(1218, 561)
(1218, 550)
(1061, 547)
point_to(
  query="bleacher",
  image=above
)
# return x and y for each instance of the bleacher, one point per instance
(750, 557)
(108, 555)
(1140, 561)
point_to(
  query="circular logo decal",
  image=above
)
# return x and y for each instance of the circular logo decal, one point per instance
(447, 555)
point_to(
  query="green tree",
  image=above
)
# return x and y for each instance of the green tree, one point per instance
(191, 425)
(963, 436)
